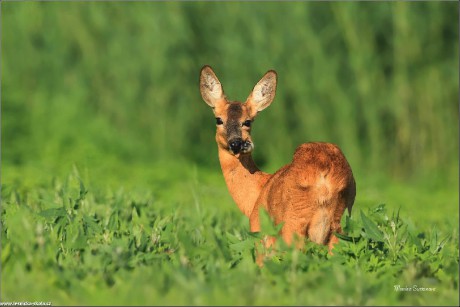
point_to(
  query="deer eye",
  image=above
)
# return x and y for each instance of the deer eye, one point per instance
(219, 121)
(247, 123)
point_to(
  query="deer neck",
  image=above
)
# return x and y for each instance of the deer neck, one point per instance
(243, 178)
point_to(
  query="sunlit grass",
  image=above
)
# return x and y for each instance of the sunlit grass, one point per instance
(68, 243)
(111, 187)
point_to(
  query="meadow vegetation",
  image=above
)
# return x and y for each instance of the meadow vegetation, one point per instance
(111, 186)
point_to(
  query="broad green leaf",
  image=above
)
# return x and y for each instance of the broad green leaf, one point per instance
(371, 229)
(347, 238)
(114, 222)
(242, 246)
(53, 212)
(91, 224)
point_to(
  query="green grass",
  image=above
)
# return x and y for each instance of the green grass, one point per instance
(111, 187)
(67, 242)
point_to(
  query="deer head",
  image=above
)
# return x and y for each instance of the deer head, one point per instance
(234, 119)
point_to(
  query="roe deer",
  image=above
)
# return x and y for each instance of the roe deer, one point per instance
(309, 195)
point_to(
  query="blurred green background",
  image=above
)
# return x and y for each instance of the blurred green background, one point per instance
(111, 89)
(102, 84)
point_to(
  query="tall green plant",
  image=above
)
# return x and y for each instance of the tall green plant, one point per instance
(82, 82)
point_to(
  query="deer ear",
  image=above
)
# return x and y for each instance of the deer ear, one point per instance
(210, 87)
(263, 93)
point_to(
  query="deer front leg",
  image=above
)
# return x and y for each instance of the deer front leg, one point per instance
(254, 220)
(254, 224)
(261, 252)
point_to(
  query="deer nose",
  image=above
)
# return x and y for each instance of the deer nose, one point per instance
(235, 145)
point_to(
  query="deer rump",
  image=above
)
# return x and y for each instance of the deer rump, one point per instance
(310, 194)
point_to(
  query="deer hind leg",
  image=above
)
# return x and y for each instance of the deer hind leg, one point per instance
(291, 234)
(322, 230)
(319, 230)
(294, 234)
(264, 249)
(335, 226)
(332, 241)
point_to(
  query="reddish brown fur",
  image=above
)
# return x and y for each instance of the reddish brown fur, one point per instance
(309, 195)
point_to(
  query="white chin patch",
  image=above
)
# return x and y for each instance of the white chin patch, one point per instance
(247, 147)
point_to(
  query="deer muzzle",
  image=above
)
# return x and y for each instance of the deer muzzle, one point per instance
(238, 146)
(235, 145)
